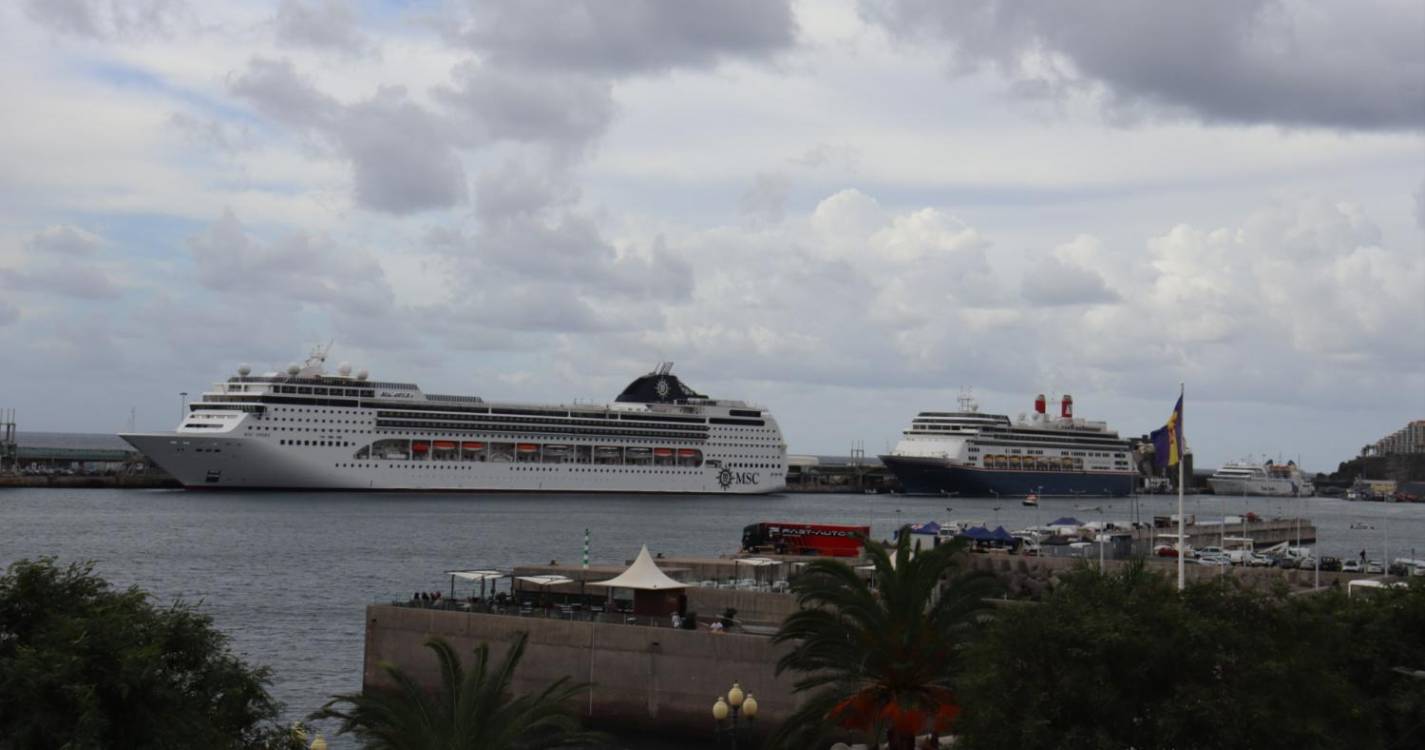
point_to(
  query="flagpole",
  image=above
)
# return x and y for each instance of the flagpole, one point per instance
(1182, 550)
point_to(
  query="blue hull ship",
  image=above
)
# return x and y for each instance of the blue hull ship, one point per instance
(932, 476)
(966, 452)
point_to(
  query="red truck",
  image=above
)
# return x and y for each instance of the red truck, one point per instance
(823, 539)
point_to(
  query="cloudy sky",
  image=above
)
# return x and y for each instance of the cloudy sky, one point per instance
(846, 210)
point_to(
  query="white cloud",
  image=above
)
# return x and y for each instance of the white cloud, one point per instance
(784, 198)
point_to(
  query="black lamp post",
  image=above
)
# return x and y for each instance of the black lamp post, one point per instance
(734, 714)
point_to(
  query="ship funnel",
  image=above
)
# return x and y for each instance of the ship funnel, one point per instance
(1067, 407)
(1040, 404)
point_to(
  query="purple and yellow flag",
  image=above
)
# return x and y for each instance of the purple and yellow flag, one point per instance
(1168, 442)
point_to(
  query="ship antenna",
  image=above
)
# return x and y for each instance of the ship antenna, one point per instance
(967, 400)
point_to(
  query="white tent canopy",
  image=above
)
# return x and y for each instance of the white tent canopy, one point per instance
(642, 575)
(545, 580)
(476, 575)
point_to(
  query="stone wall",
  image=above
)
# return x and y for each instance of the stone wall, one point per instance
(646, 678)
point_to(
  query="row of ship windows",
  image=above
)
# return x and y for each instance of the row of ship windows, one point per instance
(551, 430)
(401, 449)
(437, 467)
(1038, 452)
(322, 443)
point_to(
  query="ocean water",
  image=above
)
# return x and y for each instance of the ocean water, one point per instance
(287, 575)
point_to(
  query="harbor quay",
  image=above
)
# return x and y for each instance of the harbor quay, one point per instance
(650, 673)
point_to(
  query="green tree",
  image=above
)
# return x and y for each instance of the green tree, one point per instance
(1125, 660)
(471, 710)
(82, 665)
(1379, 645)
(880, 656)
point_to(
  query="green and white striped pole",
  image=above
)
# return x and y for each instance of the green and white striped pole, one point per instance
(584, 578)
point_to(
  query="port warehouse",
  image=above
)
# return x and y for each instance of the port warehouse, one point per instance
(50, 452)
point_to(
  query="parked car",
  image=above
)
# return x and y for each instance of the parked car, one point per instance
(1331, 564)
(1287, 563)
(1398, 569)
(1351, 566)
(1375, 567)
(1216, 560)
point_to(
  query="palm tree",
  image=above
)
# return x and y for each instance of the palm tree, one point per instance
(471, 710)
(880, 660)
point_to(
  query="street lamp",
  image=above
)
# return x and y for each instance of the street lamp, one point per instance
(737, 705)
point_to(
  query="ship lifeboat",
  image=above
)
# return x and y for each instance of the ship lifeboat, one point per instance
(444, 445)
(473, 446)
(556, 449)
(527, 448)
(687, 453)
(420, 447)
(663, 452)
(606, 450)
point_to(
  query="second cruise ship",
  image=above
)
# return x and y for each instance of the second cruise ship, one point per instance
(307, 429)
(969, 453)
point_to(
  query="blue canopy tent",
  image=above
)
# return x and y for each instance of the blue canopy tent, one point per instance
(977, 533)
(1066, 521)
(1000, 535)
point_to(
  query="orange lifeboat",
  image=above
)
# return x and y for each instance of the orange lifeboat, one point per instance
(687, 453)
(444, 445)
(420, 447)
(663, 452)
(527, 448)
(473, 446)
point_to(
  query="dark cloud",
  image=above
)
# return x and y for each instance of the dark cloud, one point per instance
(1052, 282)
(60, 260)
(536, 262)
(69, 280)
(1420, 205)
(63, 240)
(563, 110)
(321, 24)
(282, 94)
(765, 201)
(108, 19)
(403, 156)
(624, 36)
(297, 269)
(1358, 65)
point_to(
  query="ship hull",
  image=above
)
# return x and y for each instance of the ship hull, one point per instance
(238, 463)
(1258, 487)
(937, 476)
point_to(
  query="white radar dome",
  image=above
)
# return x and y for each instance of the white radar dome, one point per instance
(244, 370)
(344, 369)
(362, 375)
(293, 369)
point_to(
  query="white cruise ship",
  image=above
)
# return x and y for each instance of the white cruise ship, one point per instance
(1248, 478)
(306, 429)
(972, 454)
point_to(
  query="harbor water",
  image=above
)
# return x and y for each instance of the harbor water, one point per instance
(287, 575)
